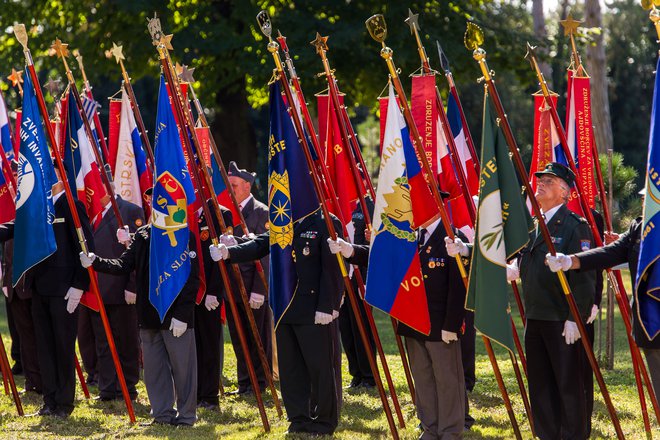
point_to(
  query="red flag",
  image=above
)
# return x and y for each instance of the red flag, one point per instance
(17, 130)
(546, 143)
(335, 156)
(424, 109)
(7, 206)
(114, 125)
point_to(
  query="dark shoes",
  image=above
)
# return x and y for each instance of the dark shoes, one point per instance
(358, 382)
(17, 369)
(207, 405)
(240, 391)
(48, 411)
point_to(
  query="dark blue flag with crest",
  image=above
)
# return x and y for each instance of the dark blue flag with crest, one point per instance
(291, 198)
(169, 256)
(34, 238)
(647, 282)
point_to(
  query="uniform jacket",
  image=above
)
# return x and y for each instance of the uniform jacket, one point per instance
(256, 219)
(105, 237)
(136, 258)
(623, 250)
(62, 270)
(320, 283)
(543, 294)
(7, 270)
(213, 280)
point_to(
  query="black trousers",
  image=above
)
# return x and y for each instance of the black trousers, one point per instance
(124, 327)
(556, 385)
(208, 337)
(468, 358)
(307, 377)
(87, 340)
(358, 362)
(21, 312)
(15, 350)
(588, 377)
(264, 322)
(55, 330)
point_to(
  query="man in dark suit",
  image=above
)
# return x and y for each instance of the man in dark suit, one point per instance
(435, 360)
(58, 283)
(118, 294)
(622, 249)
(556, 389)
(305, 350)
(256, 220)
(168, 346)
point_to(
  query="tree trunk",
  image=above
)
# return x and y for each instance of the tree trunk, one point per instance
(597, 68)
(232, 129)
(541, 34)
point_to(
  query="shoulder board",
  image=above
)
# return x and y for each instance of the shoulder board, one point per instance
(578, 218)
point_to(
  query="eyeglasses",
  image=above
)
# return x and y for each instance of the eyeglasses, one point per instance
(546, 182)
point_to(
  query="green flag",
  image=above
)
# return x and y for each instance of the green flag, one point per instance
(503, 225)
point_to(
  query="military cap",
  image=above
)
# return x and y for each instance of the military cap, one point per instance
(243, 174)
(558, 170)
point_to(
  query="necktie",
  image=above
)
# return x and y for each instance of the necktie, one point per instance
(422, 237)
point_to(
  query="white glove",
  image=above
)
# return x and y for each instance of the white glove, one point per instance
(342, 246)
(130, 297)
(594, 313)
(87, 259)
(178, 327)
(72, 296)
(256, 300)
(512, 272)
(123, 236)
(558, 262)
(456, 247)
(448, 337)
(322, 318)
(211, 302)
(335, 314)
(571, 333)
(219, 252)
(228, 240)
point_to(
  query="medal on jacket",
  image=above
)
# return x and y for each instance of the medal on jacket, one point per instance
(306, 250)
(431, 264)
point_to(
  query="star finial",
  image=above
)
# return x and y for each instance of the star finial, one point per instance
(570, 25)
(320, 43)
(187, 74)
(53, 86)
(117, 52)
(166, 40)
(412, 21)
(16, 77)
(59, 48)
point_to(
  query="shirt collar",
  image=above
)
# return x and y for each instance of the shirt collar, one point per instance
(245, 202)
(430, 229)
(57, 196)
(551, 212)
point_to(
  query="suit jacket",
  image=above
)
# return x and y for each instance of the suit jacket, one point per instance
(62, 270)
(623, 250)
(445, 291)
(105, 237)
(136, 258)
(256, 219)
(7, 270)
(320, 283)
(543, 294)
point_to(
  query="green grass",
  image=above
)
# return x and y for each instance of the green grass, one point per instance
(362, 416)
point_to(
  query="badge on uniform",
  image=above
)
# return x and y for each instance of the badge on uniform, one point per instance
(557, 240)
(138, 222)
(59, 220)
(306, 250)
(309, 234)
(585, 245)
(204, 233)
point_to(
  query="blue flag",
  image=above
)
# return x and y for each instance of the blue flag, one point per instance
(291, 198)
(169, 259)
(647, 282)
(34, 239)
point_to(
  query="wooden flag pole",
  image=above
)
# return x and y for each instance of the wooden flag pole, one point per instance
(273, 47)
(8, 377)
(474, 38)
(21, 36)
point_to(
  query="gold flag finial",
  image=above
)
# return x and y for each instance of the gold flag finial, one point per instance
(60, 49)
(412, 21)
(474, 37)
(187, 74)
(377, 28)
(531, 55)
(320, 43)
(16, 77)
(53, 86)
(156, 32)
(167, 41)
(570, 25)
(263, 20)
(21, 34)
(117, 52)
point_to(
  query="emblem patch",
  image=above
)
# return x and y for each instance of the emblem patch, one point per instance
(306, 251)
(204, 235)
(557, 240)
(138, 222)
(585, 245)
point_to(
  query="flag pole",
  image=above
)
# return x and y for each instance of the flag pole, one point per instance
(225, 177)
(273, 47)
(618, 288)
(320, 43)
(97, 121)
(117, 52)
(473, 40)
(8, 376)
(61, 51)
(81, 377)
(163, 45)
(378, 31)
(412, 22)
(21, 36)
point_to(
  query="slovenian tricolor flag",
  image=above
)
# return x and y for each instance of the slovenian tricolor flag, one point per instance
(394, 279)
(5, 133)
(647, 282)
